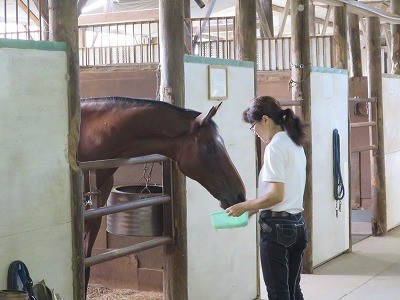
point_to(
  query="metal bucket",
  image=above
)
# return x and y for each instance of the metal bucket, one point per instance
(144, 221)
(13, 295)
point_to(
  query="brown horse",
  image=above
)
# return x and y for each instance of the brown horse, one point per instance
(125, 127)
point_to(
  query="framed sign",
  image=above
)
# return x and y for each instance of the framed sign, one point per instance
(217, 82)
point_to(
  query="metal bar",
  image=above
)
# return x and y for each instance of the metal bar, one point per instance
(16, 18)
(5, 18)
(364, 148)
(29, 20)
(110, 255)
(362, 124)
(118, 162)
(372, 100)
(109, 210)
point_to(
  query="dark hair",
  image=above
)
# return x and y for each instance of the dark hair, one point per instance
(269, 106)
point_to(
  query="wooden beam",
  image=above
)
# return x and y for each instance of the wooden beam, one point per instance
(81, 4)
(63, 20)
(311, 20)
(187, 27)
(301, 90)
(326, 23)
(172, 91)
(284, 17)
(340, 37)
(378, 189)
(265, 17)
(209, 8)
(29, 12)
(395, 8)
(355, 47)
(118, 17)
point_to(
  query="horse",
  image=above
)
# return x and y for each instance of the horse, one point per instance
(121, 127)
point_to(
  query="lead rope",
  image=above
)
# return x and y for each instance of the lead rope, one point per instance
(338, 186)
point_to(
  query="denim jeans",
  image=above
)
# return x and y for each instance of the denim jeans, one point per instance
(282, 243)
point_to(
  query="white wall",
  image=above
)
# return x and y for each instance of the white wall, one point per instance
(35, 214)
(222, 264)
(391, 128)
(329, 110)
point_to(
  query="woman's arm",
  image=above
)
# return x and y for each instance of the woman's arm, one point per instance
(274, 196)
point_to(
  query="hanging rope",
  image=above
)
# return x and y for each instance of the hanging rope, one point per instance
(338, 186)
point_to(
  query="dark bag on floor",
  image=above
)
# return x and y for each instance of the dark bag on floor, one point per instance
(18, 278)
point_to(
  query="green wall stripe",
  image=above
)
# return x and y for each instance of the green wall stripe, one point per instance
(218, 61)
(38, 45)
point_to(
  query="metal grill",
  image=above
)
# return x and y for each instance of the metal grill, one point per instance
(24, 19)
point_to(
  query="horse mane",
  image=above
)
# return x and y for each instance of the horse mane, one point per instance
(121, 103)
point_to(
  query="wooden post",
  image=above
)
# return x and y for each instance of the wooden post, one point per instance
(395, 8)
(355, 48)
(172, 91)
(340, 37)
(188, 27)
(378, 189)
(301, 90)
(246, 45)
(265, 7)
(245, 30)
(63, 20)
(311, 19)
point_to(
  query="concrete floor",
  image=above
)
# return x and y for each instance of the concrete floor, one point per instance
(370, 272)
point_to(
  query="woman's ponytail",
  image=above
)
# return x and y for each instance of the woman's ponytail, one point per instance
(294, 127)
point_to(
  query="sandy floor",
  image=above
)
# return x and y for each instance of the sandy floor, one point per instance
(99, 292)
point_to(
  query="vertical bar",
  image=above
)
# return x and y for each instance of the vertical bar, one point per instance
(5, 17)
(218, 38)
(16, 17)
(29, 20)
(126, 48)
(209, 37)
(40, 20)
(141, 43)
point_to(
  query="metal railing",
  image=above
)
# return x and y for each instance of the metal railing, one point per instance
(26, 20)
(96, 212)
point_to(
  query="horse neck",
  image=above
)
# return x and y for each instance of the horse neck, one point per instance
(153, 130)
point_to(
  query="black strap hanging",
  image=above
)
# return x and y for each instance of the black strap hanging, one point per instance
(338, 186)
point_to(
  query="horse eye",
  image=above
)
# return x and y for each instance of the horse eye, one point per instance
(211, 150)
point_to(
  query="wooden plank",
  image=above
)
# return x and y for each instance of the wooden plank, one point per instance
(378, 190)
(300, 53)
(395, 39)
(172, 84)
(363, 100)
(355, 46)
(264, 13)
(118, 17)
(63, 20)
(326, 23)
(340, 37)
(284, 17)
(362, 124)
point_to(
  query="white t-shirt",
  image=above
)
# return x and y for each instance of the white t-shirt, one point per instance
(285, 162)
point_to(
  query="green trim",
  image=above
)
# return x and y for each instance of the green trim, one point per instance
(218, 61)
(384, 75)
(38, 45)
(328, 70)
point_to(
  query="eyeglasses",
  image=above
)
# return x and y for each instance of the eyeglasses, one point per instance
(253, 127)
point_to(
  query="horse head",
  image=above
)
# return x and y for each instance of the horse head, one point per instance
(204, 158)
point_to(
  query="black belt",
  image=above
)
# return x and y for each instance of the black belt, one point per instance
(266, 214)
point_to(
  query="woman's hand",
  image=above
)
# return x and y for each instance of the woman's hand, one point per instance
(236, 210)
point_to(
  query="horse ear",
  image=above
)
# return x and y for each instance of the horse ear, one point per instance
(203, 118)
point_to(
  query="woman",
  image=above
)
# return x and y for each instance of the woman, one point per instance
(283, 236)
